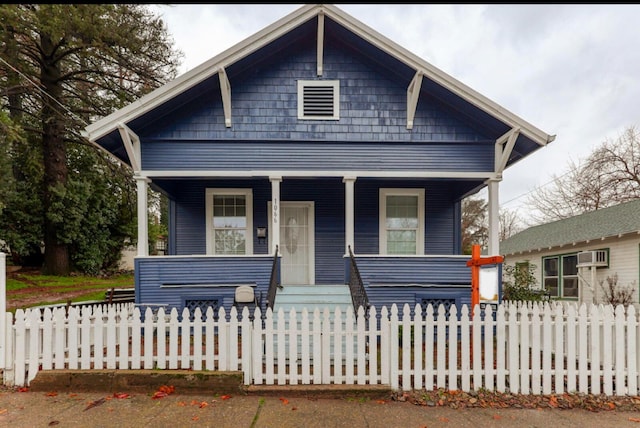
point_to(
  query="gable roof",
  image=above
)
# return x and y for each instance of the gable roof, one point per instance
(604, 223)
(496, 120)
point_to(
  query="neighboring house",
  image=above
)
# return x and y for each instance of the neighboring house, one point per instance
(317, 137)
(574, 255)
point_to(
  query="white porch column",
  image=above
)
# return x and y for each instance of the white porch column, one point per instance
(143, 221)
(275, 212)
(349, 213)
(494, 218)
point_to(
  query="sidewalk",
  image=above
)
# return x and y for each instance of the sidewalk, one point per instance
(89, 401)
(68, 409)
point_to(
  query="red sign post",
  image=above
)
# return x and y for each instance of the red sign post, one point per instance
(475, 263)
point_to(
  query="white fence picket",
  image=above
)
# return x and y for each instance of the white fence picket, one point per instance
(620, 367)
(465, 350)
(47, 339)
(406, 347)
(559, 338)
(632, 351)
(521, 348)
(501, 340)
(418, 334)
(338, 358)
(305, 334)
(532, 381)
(361, 347)
(452, 364)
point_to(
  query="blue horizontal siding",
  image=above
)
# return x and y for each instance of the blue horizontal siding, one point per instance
(409, 280)
(316, 156)
(381, 270)
(199, 278)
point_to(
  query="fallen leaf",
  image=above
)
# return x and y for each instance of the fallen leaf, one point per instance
(3, 411)
(294, 408)
(496, 417)
(225, 397)
(120, 395)
(611, 405)
(23, 389)
(73, 395)
(159, 394)
(634, 420)
(95, 403)
(443, 419)
(284, 400)
(52, 423)
(203, 404)
(381, 402)
(52, 394)
(168, 389)
(195, 418)
(182, 403)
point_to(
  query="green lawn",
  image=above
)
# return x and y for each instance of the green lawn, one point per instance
(31, 289)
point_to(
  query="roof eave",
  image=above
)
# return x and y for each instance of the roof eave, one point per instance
(209, 68)
(200, 73)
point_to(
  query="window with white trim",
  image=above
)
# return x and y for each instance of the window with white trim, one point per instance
(560, 275)
(402, 221)
(319, 99)
(229, 221)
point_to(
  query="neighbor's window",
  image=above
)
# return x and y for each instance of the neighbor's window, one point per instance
(229, 221)
(319, 99)
(560, 275)
(522, 274)
(402, 221)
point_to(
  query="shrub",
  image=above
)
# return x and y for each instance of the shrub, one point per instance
(519, 284)
(615, 294)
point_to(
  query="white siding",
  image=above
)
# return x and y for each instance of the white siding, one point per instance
(624, 259)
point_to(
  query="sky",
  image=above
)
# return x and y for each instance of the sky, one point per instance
(572, 71)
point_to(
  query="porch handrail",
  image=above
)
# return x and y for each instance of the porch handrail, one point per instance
(356, 286)
(273, 282)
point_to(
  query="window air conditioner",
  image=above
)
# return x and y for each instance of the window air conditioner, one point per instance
(595, 258)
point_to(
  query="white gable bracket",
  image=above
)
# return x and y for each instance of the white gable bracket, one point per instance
(132, 145)
(320, 42)
(413, 93)
(503, 151)
(225, 91)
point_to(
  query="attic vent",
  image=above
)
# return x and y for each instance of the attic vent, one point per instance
(595, 258)
(319, 99)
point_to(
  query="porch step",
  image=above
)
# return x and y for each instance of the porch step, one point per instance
(312, 297)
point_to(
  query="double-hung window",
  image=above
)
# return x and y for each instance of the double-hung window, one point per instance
(560, 275)
(402, 221)
(229, 221)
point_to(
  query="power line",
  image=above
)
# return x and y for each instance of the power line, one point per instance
(536, 188)
(44, 92)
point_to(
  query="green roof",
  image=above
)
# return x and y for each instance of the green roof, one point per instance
(603, 223)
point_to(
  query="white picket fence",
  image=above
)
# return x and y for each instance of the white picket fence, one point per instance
(530, 348)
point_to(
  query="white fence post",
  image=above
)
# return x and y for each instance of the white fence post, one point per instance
(3, 310)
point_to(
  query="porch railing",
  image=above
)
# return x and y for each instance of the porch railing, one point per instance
(356, 286)
(273, 282)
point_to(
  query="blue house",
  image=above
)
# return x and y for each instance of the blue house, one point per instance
(317, 156)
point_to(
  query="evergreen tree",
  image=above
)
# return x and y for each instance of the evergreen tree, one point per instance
(61, 67)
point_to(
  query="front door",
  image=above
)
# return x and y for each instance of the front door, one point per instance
(297, 243)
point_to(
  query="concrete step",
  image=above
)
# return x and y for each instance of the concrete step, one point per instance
(313, 297)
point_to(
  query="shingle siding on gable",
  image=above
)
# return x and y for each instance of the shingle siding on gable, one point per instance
(372, 109)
